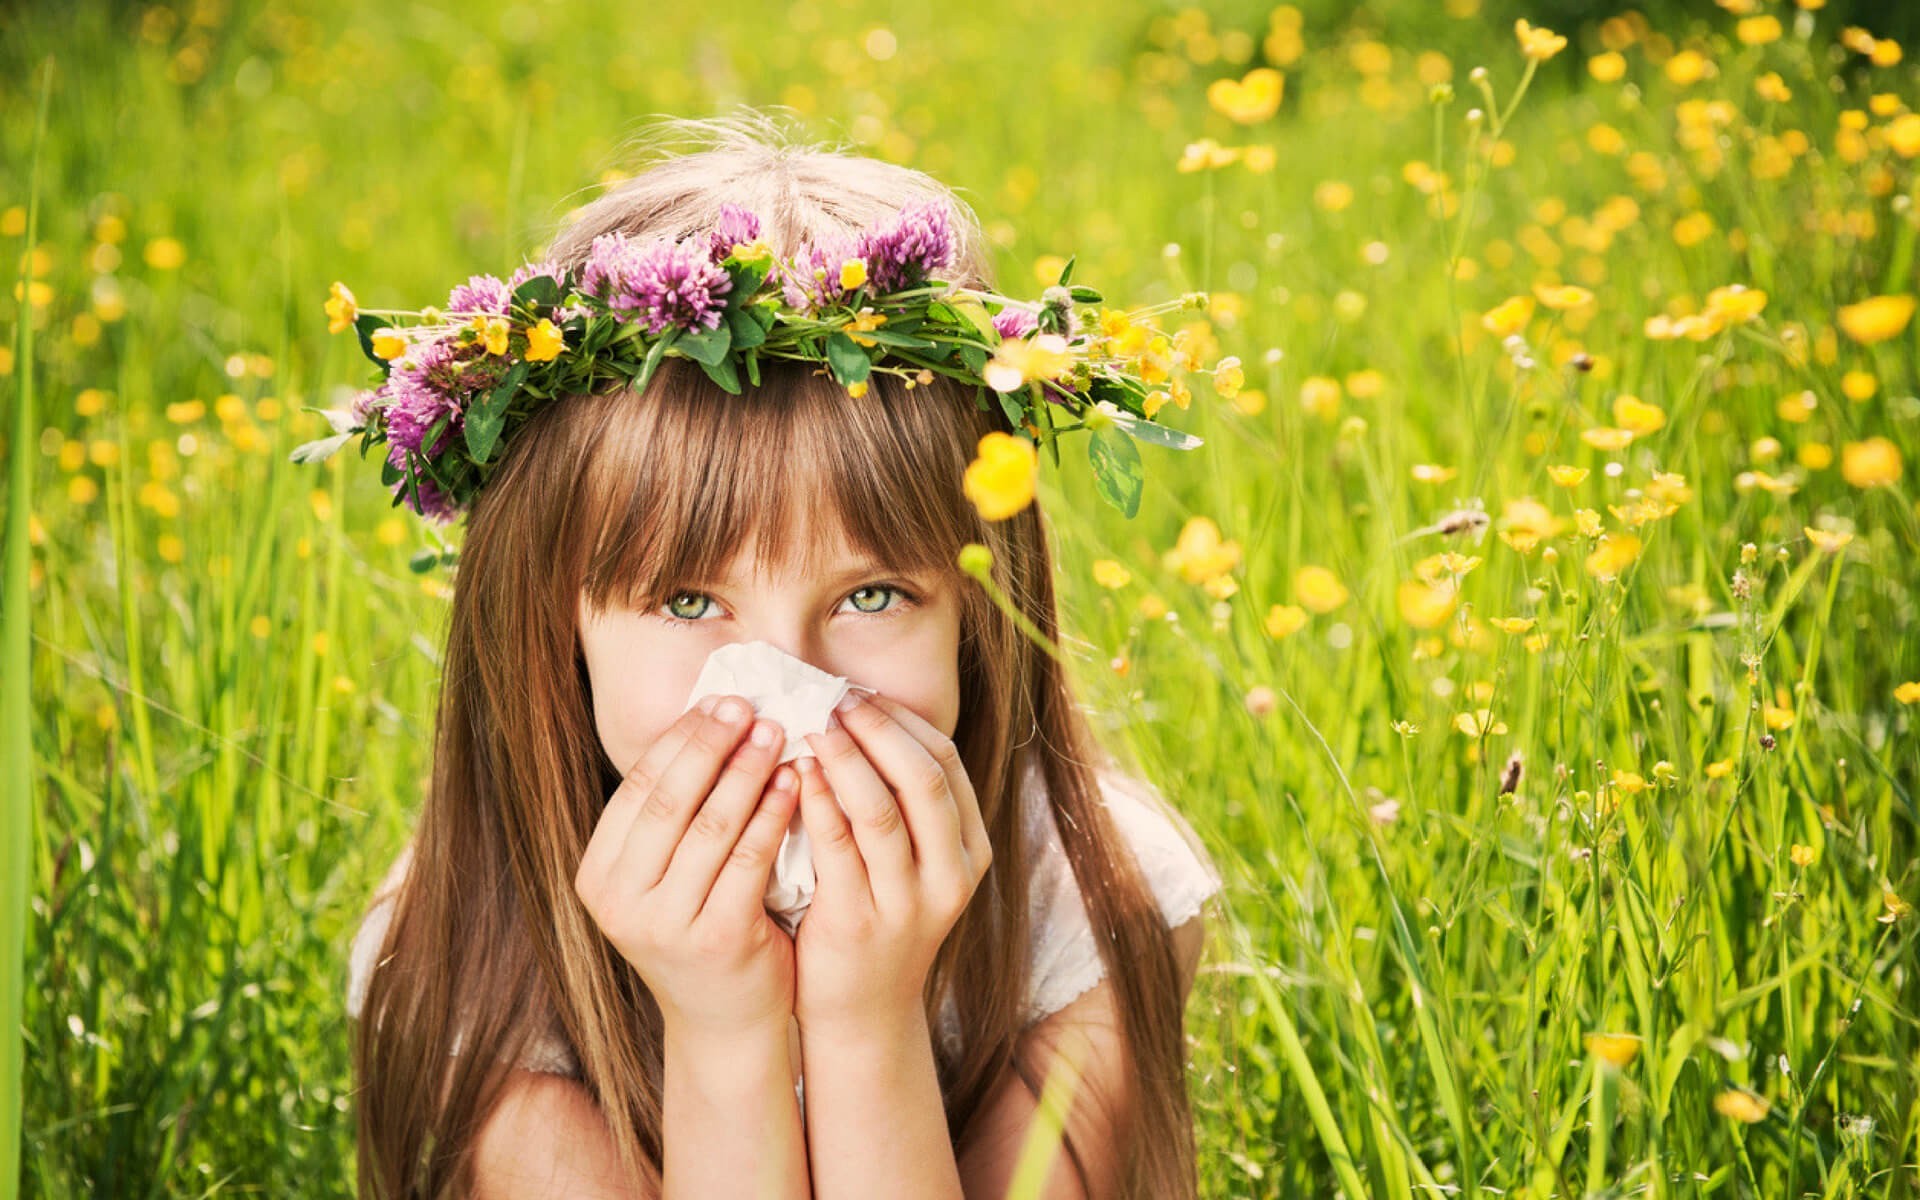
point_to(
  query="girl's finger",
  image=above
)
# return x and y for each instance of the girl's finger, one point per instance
(717, 823)
(837, 865)
(741, 888)
(683, 785)
(973, 828)
(879, 827)
(639, 782)
(921, 782)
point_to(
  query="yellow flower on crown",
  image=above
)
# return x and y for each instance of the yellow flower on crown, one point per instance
(545, 342)
(341, 309)
(1538, 44)
(864, 320)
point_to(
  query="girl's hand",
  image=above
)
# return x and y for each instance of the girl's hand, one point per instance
(676, 871)
(898, 848)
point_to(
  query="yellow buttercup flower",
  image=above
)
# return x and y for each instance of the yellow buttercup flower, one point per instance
(1907, 693)
(863, 321)
(1250, 99)
(1741, 1105)
(1562, 297)
(1000, 480)
(388, 344)
(341, 309)
(1637, 416)
(1285, 620)
(1206, 154)
(853, 274)
(1614, 554)
(545, 342)
(1876, 319)
(494, 333)
(1874, 462)
(1538, 44)
(1567, 476)
(1607, 438)
(1510, 316)
(1200, 553)
(1426, 605)
(1019, 361)
(1828, 541)
(1318, 589)
(1110, 574)
(1736, 303)
(1614, 1049)
(1228, 378)
(1513, 625)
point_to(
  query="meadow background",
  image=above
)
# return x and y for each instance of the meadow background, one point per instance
(1533, 643)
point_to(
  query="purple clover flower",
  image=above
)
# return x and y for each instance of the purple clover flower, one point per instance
(735, 225)
(527, 271)
(1013, 323)
(811, 281)
(915, 243)
(422, 388)
(663, 284)
(480, 294)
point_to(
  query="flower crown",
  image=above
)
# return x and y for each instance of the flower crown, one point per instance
(456, 383)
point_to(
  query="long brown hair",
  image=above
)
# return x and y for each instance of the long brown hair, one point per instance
(616, 496)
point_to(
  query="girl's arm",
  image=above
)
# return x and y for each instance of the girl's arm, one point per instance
(875, 1125)
(732, 1129)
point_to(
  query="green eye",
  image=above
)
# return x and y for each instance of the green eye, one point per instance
(881, 590)
(673, 605)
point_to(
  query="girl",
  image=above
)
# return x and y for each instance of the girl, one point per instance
(568, 984)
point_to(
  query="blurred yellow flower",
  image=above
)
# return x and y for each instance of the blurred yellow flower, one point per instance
(1736, 303)
(1284, 620)
(1876, 319)
(1630, 782)
(1607, 67)
(1318, 589)
(1538, 44)
(1200, 554)
(1206, 154)
(1772, 88)
(1859, 385)
(1607, 438)
(1000, 479)
(1110, 574)
(1433, 473)
(1425, 605)
(1333, 195)
(1687, 67)
(1320, 395)
(1566, 476)
(1250, 99)
(1637, 416)
(1615, 553)
(1229, 378)
(1741, 1105)
(1616, 1050)
(1479, 723)
(1757, 31)
(341, 309)
(1513, 625)
(1802, 856)
(1508, 317)
(1719, 768)
(165, 254)
(1525, 523)
(1907, 693)
(1828, 542)
(1874, 462)
(1152, 607)
(1562, 296)
(1019, 361)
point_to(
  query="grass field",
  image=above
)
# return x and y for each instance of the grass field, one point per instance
(1534, 641)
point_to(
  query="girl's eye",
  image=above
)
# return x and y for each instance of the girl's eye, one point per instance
(872, 600)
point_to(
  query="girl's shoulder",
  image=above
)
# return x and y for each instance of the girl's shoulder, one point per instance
(1065, 955)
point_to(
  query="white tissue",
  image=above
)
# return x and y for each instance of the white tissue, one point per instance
(800, 697)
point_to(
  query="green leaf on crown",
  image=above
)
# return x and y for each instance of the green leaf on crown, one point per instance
(536, 294)
(655, 353)
(486, 419)
(1083, 294)
(1158, 435)
(747, 278)
(723, 373)
(364, 325)
(706, 346)
(1116, 468)
(320, 450)
(747, 331)
(1066, 272)
(848, 363)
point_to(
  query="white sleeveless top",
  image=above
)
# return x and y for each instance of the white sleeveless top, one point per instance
(1065, 959)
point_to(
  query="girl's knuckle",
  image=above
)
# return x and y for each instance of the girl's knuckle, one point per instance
(947, 755)
(884, 819)
(709, 823)
(930, 776)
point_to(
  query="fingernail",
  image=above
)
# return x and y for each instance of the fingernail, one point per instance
(764, 733)
(731, 712)
(848, 702)
(706, 704)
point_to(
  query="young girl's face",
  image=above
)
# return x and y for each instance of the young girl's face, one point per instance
(898, 633)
